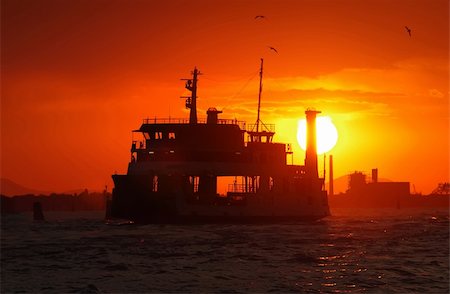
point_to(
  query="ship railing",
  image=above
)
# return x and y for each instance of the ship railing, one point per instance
(240, 188)
(170, 120)
(240, 123)
(262, 127)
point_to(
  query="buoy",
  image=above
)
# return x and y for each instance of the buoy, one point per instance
(38, 215)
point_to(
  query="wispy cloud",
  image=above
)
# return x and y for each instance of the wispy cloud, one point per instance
(356, 92)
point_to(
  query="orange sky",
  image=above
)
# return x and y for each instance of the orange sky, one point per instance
(78, 76)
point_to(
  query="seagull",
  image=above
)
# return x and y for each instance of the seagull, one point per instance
(271, 48)
(259, 16)
(408, 30)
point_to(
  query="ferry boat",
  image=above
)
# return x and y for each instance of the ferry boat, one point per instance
(176, 166)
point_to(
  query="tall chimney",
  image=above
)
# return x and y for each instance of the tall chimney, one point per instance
(375, 175)
(331, 192)
(311, 144)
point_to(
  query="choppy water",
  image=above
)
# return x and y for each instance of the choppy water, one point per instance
(77, 252)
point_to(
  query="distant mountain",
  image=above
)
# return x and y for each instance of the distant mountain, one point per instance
(10, 188)
(78, 191)
(340, 184)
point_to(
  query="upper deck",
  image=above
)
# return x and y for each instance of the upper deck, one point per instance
(160, 134)
(210, 139)
(164, 121)
(218, 134)
(180, 121)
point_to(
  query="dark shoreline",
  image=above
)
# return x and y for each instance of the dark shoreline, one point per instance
(54, 202)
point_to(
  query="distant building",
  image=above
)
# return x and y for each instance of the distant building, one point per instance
(362, 193)
(375, 193)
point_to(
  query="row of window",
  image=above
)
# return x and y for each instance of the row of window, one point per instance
(160, 136)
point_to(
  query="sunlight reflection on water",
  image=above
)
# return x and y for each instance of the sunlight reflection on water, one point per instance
(78, 252)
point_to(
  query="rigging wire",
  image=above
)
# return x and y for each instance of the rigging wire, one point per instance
(229, 99)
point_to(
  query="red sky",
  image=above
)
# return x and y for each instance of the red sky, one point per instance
(78, 76)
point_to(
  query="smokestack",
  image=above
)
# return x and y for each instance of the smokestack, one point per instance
(375, 175)
(213, 116)
(331, 192)
(311, 144)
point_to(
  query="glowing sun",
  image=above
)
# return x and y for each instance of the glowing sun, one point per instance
(326, 134)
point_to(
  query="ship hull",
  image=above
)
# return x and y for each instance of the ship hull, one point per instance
(133, 199)
(206, 219)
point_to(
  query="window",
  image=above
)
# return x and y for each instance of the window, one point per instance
(270, 184)
(193, 180)
(158, 135)
(155, 184)
(171, 136)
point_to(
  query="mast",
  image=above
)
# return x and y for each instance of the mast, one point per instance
(259, 95)
(266, 135)
(191, 102)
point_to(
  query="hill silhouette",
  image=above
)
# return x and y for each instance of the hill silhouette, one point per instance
(340, 184)
(11, 188)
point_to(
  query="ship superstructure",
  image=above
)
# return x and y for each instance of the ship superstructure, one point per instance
(176, 165)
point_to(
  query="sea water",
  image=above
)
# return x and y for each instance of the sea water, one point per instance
(366, 251)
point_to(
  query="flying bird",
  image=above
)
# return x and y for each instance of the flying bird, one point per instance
(259, 16)
(271, 48)
(408, 30)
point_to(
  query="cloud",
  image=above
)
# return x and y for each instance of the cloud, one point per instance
(404, 77)
(395, 91)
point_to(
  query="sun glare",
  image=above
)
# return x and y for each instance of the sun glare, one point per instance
(326, 134)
